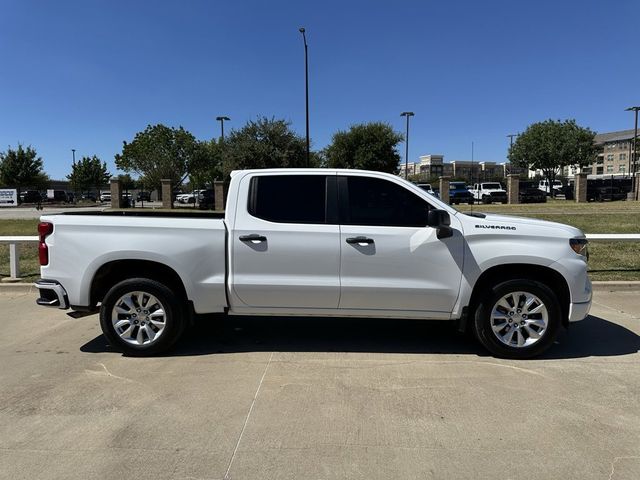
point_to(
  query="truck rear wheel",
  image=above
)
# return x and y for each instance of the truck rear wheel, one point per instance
(518, 319)
(141, 317)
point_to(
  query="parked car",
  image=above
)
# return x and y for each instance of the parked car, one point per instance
(600, 194)
(143, 197)
(489, 192)
(105, 196)
(89, 196)
(31, 196)
(317, 242)
(543, 185)
(207, 199)
(426, 187)
(459, 193)
(189, 197)
(528, 192)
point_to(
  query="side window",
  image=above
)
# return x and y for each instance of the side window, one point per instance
(373, 201)
(288, 198)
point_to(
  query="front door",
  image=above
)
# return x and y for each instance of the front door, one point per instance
(390, 259)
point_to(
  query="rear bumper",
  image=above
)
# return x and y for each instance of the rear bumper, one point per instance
(52, 294)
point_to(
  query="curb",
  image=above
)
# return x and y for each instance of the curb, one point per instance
(616, 286)
(17, 288)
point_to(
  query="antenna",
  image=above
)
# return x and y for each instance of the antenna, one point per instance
(474, 195)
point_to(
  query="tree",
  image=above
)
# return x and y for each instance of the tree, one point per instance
(21, 168)
(552, 145)
(88, 173)
(207, 165)
(159, 152)
(126, 182)
(367, 146)
(264, 143)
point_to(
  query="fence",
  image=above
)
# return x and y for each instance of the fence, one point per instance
(14, 246)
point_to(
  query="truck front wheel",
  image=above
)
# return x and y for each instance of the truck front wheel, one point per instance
(141, 317)
(518, 319)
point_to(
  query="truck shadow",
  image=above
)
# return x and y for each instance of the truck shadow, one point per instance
(593, 336)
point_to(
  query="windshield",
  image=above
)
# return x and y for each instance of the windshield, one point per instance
(492, 186)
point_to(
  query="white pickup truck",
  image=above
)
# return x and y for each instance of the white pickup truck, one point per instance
(489, 192)
(307, 242)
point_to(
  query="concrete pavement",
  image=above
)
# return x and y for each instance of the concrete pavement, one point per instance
(247, 398)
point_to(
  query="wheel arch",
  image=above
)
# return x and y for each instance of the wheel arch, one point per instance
(519, 271)
(116, 271)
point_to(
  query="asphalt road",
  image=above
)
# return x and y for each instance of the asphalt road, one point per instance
(317, 398)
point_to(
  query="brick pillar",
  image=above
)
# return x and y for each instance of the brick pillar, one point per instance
(218, 195)
(636, 194)
(167, 198)
(116, 193)
(444, 189)
(513, 188)
(581, 187)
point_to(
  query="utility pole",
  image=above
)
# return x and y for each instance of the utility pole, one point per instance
(306, 87)
(510, 136)
(222, 120)
(632, 166)
(406, 144)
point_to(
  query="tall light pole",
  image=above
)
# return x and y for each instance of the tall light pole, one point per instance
(406, 144)
(222, 120)
(306, 86)
(510, 136)
(73, 152)
(632, 166)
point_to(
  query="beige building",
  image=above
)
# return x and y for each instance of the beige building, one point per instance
(435, 166)
(615, 152)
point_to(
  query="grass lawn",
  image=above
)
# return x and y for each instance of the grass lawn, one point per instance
(608, 261)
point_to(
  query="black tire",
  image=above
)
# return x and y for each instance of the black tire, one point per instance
(490, 340)
(174, 317)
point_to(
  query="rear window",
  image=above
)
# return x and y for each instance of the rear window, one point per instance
(289, 198)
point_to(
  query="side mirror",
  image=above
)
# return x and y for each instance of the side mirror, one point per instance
(440, 220)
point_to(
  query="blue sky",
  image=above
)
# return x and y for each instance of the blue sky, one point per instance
(90, 74)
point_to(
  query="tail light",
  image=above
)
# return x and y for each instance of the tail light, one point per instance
(44, 230)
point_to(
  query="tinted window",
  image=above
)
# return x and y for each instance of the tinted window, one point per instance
(288, 198)
(372, 201)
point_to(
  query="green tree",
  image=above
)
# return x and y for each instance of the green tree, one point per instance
(207, 165)
(88, 173)
(22, 168)
(126, 182)
(551, 145)
(368, 146)
(159, 152)
(264, 143)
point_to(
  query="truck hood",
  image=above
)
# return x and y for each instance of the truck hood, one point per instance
(542, 227)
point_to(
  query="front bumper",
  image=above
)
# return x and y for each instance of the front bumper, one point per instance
(52, 294)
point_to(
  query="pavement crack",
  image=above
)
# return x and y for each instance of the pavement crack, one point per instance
(246, 420)
(108, 373)
(617, 459)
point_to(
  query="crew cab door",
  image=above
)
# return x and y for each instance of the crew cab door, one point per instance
(285, 242)
(390, 259)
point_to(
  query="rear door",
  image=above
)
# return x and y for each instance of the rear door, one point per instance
(390, 259)
(285, 250)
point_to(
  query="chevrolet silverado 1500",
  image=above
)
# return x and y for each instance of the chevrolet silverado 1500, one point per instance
(318, 242)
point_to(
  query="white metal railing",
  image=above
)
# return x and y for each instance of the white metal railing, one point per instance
(14, 242)
(14, 252)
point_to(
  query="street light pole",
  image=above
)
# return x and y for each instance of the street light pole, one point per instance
(306, 87)
(222, 120)
(73, 151)
(632, 168)
(406, 145)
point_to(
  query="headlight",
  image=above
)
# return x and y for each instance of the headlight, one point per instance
(579, 245)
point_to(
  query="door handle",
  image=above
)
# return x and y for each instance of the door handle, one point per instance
(359, 240)
(253, 238)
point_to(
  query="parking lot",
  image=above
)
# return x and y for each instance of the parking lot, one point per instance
(246, 398)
